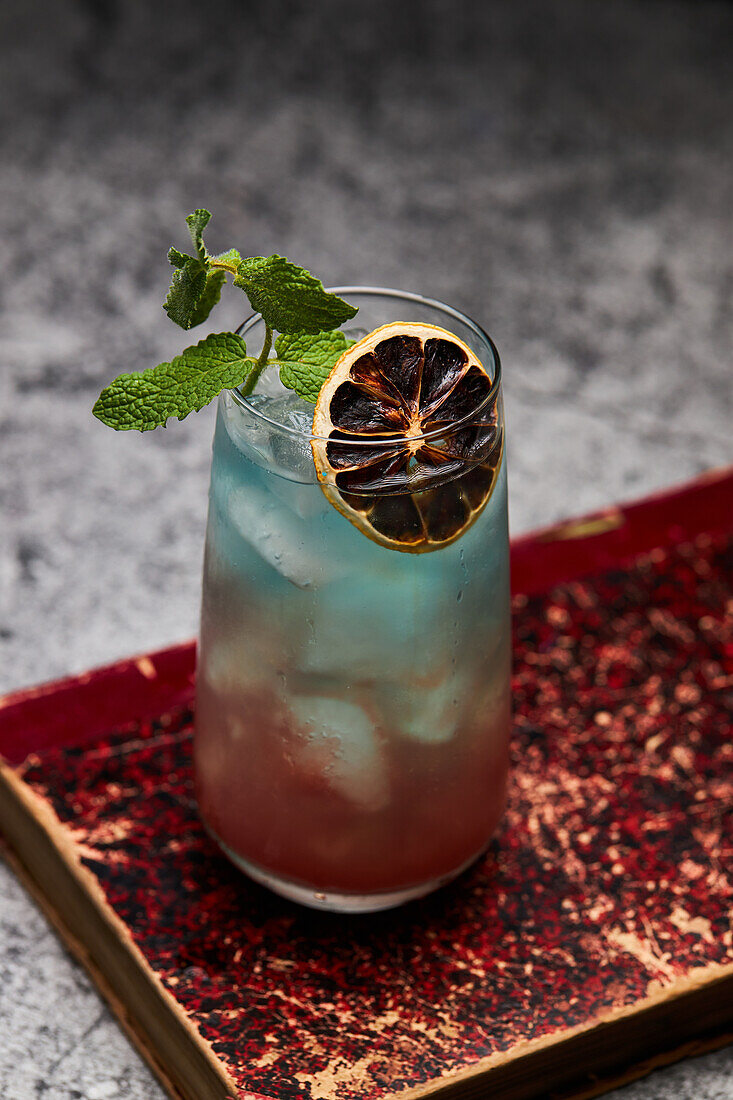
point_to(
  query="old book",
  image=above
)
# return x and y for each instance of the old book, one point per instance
(591, 943)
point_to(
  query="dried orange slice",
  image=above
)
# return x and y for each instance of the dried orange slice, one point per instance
(407, 442)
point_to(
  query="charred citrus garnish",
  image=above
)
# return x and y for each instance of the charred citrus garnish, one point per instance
(406, 443)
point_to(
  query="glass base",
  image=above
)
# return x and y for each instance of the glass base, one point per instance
(330, 900)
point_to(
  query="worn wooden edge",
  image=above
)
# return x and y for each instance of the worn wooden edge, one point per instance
(40, 850)
(80, 952)
(690, 1016)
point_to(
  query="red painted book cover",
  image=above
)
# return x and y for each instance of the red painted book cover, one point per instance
(591, 942)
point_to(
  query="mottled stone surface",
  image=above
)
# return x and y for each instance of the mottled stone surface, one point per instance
(559, 170)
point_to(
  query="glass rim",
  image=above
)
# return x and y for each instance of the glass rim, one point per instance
(385, 440)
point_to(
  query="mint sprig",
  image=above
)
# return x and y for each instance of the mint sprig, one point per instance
(291, 301)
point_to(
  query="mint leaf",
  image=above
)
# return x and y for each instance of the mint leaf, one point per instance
(145, 401)
(176, 258)
(307, 360)
(289, 298)
(230, 259)
(187, 286)
(209, 297)
(197, 222)
(196, 286)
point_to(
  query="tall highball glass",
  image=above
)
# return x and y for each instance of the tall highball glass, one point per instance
(353, 697)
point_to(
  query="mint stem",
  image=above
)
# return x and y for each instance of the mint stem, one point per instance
(231, 268)
(260, 365)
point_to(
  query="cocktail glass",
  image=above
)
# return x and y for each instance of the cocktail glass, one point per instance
(353, 702)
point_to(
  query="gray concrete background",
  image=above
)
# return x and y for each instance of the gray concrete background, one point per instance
(559, 170)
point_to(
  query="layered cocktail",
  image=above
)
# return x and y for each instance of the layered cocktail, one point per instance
(353, 683)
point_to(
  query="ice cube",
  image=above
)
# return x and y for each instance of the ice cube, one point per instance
(250, 434)
(289, 444)
(276, 433)
(238, 666)
(285, 408)
(340, 741)
(467, 697)
(307, 501)
(288, 544)
(299, 417)
(422, 713)
(364, 630)
(293, 457)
